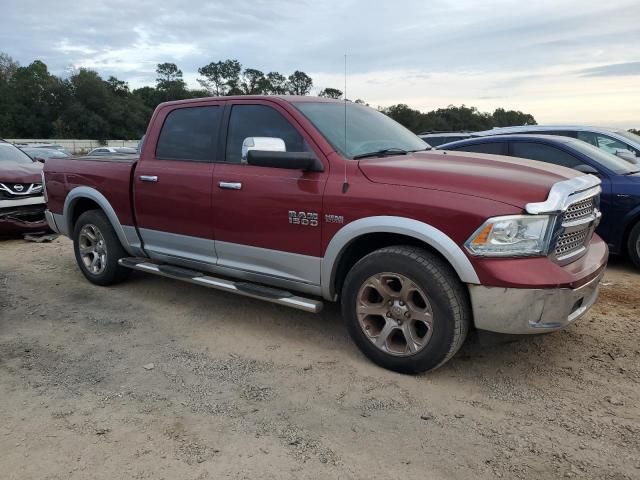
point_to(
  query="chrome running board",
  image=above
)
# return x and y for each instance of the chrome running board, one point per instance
(253, 290)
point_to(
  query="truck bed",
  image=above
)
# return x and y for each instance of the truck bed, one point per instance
(110, 176)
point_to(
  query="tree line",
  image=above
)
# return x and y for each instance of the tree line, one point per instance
(37, 104)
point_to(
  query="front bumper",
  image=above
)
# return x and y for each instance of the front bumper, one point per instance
(22, 216)
(527, 311)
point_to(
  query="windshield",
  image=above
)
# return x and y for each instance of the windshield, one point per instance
(9, 153)
(631, 136)
(367, 129)
(607, 160)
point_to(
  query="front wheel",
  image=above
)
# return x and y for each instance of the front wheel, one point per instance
(406, 309)
(633, 245)
(98, 249)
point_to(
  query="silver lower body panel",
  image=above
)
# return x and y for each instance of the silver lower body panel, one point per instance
(530, 311)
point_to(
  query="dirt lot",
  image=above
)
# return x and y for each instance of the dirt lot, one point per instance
(158, 379)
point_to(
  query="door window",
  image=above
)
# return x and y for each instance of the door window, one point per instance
(189, 134)
(610, 145)
(544, 153)
(260, 121)
(495, 148)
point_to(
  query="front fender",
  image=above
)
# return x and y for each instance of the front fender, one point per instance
(399, 225)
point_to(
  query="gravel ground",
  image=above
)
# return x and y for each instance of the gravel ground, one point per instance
(158, 379)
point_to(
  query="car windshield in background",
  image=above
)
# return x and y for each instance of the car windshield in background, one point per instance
(607, 160)
(631, 136)
(368, 131)
(9, 153)
(37, 152)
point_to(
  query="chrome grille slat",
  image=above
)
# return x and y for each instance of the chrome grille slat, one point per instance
(572, 241)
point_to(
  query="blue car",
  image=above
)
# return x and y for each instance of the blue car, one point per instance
(620, 199)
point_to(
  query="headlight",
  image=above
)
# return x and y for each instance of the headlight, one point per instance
(511, 236)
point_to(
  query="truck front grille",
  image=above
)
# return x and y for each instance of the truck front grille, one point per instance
(570, 242)
(576, 229)
(579, 210)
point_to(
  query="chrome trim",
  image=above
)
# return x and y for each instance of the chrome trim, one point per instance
(566, 192)
(248, 290)
(148, 178)
(524, 311)
(390, 224)
(33, 188)
(230, 185)
(20, 202)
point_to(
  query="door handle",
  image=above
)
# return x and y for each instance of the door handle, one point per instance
(230, 185)
(149, 178)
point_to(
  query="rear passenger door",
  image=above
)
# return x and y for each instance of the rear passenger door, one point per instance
(173, 184)
(268, 219)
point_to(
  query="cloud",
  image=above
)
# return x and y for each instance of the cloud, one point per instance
(429, 53)
(613, 70)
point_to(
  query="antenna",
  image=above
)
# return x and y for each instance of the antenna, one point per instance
(345, 185)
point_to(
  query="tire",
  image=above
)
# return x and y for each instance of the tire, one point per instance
(406, 293)
(106, 247)
(633, 245)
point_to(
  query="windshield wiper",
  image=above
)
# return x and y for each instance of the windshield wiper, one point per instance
(633, 172)
(382, 153)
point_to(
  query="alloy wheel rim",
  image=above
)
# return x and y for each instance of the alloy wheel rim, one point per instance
(395, 314)
(93, 249)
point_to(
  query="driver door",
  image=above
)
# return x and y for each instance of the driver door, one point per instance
(267, 219)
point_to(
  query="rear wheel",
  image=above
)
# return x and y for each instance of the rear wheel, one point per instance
(406, 309)
(633, 245)
(98, 249)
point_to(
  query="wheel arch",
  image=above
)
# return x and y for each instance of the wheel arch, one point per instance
(365, 235)
(82, 199)
(632, 220)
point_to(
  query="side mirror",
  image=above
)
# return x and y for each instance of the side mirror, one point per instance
(264, 144)
(587, 169)
(627, 155)
(306, 161)
(39, 159)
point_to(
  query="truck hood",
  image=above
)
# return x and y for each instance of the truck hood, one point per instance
(14, 172)
(514, 181)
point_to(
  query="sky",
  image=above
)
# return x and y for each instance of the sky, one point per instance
(562, 61)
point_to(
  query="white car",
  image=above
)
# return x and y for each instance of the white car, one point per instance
(617, 141)
(96, 152)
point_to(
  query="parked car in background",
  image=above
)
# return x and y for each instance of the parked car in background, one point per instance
(616, 141)
(264, 196)
(43, 154)
(101, 151)
(22, 202)
(438, 138)
(620, 199)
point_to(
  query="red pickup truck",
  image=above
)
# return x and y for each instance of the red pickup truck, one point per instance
(300, 200)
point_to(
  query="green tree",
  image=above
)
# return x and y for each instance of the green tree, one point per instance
(511, 118)
(220, 78)
(330, 93)
(299, 83)
(253, 82)
(170, 82)
(276, 84)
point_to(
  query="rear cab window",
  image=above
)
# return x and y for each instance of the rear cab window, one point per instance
(190, 134)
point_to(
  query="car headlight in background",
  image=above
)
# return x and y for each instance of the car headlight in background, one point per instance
(512, 236)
